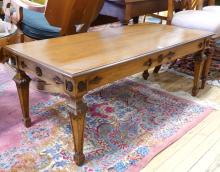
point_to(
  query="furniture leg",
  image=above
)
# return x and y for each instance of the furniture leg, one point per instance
(172, 64)
(157, 69)
(145, 74)
(207, 65)
(199, 63)
(136, 20)
(77, 111)
(124, 22)
(22, 82)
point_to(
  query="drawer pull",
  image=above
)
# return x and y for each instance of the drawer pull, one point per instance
(168, 55)
(82, 86)
(200, 45)
(23, 65)
(38, 71)
(57, 80)
(69, 86)
(148, 63)
(95, 80)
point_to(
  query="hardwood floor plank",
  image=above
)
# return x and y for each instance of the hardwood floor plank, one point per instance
(210, 161)
(180, 150)
(199, 151)
(192, 137)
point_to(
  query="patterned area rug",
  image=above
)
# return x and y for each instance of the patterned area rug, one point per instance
(128, 123)
(186, 66)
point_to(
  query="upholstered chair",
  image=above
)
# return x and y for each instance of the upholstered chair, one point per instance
(213, 7)
(54, 18)
(194, 17)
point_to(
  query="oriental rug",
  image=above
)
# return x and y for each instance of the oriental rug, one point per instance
(127, 124)
(186, 66)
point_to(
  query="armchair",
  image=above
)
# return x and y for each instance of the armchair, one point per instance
(55, 18)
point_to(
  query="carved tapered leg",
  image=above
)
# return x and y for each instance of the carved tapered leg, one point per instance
(157, 69)
(145, 74)
(207, 65)
(77, 111)
(22, 82)
(199, 64)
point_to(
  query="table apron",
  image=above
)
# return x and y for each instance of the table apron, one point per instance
(118, 71)
(81, 84)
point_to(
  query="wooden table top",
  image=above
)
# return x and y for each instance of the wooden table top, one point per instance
(77, 54)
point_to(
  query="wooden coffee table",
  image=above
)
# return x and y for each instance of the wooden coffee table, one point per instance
(80, 63)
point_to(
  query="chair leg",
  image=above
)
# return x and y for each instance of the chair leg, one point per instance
(136, 20)
(124, 22)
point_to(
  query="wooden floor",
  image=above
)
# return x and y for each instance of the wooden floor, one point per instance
(199, 149)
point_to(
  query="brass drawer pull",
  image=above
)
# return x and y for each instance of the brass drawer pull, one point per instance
(169, 55)
(38, 71)
(200, 45)
(160, 58)
(148, 63)
(69, 86)
(95, 80)
(23, 65)
(57, 80)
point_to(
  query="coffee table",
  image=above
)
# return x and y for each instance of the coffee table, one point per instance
(80, 63)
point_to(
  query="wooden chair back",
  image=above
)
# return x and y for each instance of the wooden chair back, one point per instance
(68, 14)
(72, 16)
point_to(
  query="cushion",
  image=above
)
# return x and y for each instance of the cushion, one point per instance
(214, 8)
(35, 25)
(196, 19)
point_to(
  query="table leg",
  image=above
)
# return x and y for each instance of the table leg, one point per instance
(207, 65)
(22, 82)
(77, 111)
(199, 64)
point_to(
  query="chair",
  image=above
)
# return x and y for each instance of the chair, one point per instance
(212, 7)
(194, 17)
(56, 18)
(124, 10)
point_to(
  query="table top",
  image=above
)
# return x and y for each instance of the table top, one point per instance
(76, 54)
